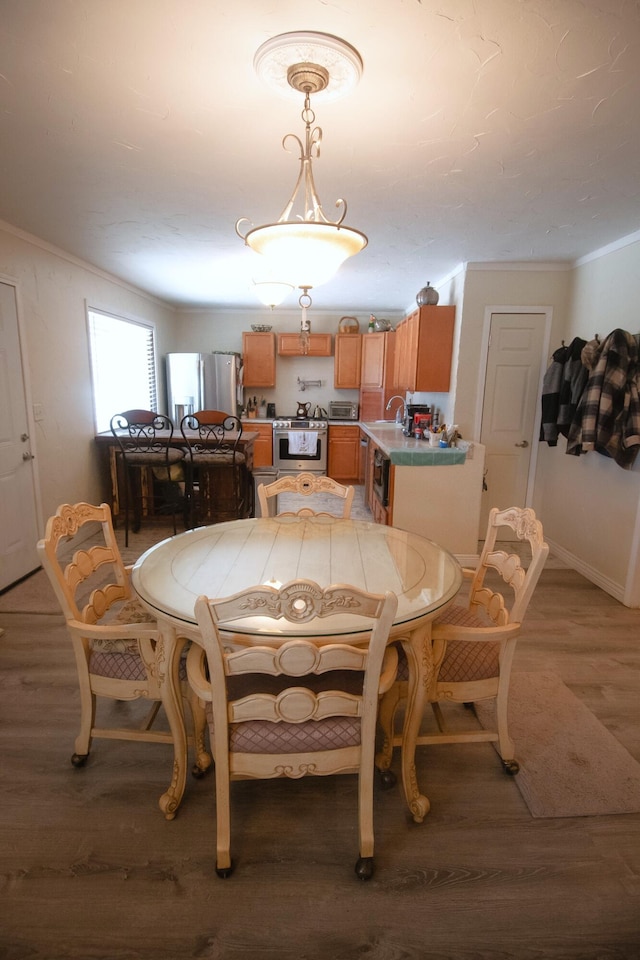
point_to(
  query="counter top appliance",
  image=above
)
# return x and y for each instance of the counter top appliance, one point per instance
(343, 410)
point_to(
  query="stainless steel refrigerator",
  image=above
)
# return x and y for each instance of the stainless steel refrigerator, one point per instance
(202, 381)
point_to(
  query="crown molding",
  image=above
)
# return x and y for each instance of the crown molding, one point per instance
(627, 241)
(82, 264)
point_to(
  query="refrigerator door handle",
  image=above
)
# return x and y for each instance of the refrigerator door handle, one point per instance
(201, 400)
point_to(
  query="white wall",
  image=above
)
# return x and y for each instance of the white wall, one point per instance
(488, 285)
(589, 504)
(53, 290)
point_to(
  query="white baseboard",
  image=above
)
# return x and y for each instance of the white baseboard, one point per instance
(615, 590)
(467, 559)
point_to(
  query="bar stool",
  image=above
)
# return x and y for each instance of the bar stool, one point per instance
(152, 467)
(218, 483)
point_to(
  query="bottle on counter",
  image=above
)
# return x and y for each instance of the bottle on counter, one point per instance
(372, 324)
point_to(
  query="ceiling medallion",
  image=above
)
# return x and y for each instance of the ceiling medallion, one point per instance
(339, 59)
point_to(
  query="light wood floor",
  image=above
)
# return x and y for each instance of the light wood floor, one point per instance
(90, 869)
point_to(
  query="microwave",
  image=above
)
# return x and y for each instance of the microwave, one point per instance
(343, 410)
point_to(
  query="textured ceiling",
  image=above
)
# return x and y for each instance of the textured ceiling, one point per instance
(135, 133)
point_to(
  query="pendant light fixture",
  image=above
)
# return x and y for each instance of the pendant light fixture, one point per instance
(271, 292)
(304, 246)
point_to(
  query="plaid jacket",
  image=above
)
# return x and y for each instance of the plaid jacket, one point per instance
(608, 415)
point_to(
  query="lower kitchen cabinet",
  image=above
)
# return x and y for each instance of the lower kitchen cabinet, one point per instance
(344, 453)
(263, 446)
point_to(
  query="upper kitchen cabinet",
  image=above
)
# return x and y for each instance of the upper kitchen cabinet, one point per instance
(375, 357)
(347, 362)
(259, 359)
(377, 381)
(424, 347)
(292, 345)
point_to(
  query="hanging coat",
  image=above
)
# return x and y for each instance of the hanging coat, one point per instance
(608, 415)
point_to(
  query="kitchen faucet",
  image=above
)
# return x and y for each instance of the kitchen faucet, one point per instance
(399, 419)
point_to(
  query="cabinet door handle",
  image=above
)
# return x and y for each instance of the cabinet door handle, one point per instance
(27, 456)
(523, 443)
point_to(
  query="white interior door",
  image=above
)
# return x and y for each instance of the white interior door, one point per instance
(509, 409)
(18, 512)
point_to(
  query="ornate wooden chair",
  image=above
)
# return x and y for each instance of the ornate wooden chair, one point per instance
(114, 638)
(218, 482)
(305, 484)
(297, 704)
(473, 646)
(144, 440)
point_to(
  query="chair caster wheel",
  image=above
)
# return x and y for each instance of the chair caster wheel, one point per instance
(225, 872)
(364, 868)
(79, 759)
(388, 779)
(511, 767)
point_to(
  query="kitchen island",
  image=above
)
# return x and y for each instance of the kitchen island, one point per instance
(433, 491)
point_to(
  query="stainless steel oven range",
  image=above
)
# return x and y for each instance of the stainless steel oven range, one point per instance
(300, 445)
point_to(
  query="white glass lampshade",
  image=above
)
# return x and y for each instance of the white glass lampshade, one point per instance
(271, 292)
(307, 252)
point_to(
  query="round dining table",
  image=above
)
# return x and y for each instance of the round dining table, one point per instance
(223, 559)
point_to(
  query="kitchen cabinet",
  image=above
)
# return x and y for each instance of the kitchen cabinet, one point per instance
(380, 513)
(377, 381)
(374, 350)
(424, 347)
(344, 453)
(263, 444)
(347, 361)
(259, 359)
(291, 345)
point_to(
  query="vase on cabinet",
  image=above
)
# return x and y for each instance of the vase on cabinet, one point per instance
(428, 296)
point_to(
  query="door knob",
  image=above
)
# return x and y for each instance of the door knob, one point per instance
(523, 443)
(24, 437)
(27, 456)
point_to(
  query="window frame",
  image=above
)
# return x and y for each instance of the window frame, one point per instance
(151, 366)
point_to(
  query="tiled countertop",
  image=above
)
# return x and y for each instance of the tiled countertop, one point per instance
(409, 452)
(401, 450)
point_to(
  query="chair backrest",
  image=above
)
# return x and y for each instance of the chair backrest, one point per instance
(305, 484)
(142, 431)
(91, 579)
(212, 431)
(299, 657)
(520, 577)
